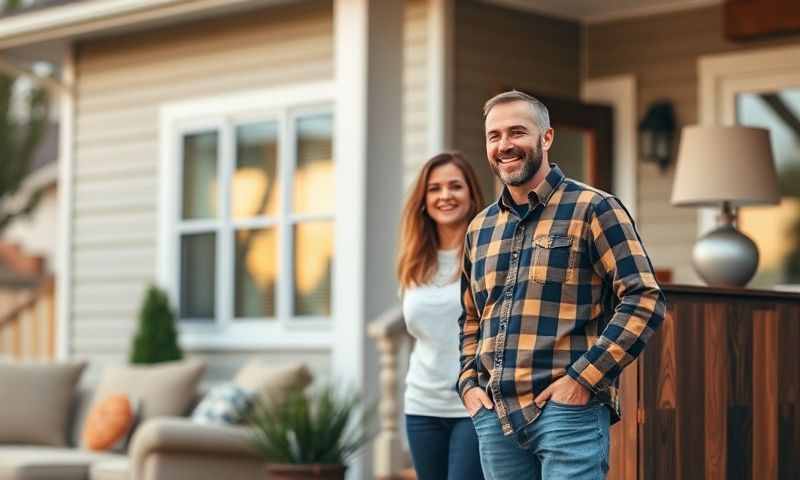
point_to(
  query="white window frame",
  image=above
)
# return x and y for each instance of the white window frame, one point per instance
(222, 113)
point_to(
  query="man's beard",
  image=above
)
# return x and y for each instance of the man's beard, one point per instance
(530, 165)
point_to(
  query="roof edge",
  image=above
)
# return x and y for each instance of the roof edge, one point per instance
(93, 16)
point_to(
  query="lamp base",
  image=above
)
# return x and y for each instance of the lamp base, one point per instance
(725, 257)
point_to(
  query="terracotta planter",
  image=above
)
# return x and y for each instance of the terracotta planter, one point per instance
(306, 472)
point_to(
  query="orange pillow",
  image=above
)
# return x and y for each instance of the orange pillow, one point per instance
(108, 422)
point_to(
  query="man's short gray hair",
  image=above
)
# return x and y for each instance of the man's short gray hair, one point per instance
(540, 114)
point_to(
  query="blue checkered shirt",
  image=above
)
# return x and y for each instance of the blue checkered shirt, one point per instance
(566, 290)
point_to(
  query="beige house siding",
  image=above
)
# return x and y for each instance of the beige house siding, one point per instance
(415, 100)
(662, 52)
(122, 82)
(498, 48)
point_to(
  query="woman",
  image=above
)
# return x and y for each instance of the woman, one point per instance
(441, 435)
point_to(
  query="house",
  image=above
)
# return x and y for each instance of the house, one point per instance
(251, 156)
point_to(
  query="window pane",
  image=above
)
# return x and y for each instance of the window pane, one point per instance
(256, 272)
(312, 257)
(776, 228)
(198, 273)
(200, 175)
(313, 182)
(255, 182)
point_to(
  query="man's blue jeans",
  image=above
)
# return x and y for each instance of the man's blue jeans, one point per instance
(566, 442)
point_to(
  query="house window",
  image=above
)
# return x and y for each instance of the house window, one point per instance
(254, 197)
(776, 228)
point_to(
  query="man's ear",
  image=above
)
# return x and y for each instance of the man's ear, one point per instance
(547, 139)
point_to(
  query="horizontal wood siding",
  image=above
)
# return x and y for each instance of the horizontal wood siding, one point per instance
(662, 52)
(499, 48)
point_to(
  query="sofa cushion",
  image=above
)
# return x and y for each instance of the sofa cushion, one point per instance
(225, 404)
(109, 424)
(35, 410)
(164, 389)
(81, 403)
(117, 469)
(272, 383)
(47, 463)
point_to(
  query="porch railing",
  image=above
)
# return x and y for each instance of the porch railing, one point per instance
(27, 321)
(394, 345)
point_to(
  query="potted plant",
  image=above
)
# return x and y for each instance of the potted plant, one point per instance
(310, 437)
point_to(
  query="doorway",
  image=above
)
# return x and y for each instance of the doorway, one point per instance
(584, 137)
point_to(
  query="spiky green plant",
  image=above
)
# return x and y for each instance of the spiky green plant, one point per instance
(327, 428)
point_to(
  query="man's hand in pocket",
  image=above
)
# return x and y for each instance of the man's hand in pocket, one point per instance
(475, 398)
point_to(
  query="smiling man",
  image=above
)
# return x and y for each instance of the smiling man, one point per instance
(558, 297)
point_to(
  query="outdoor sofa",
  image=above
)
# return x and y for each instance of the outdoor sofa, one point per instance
(42, 411)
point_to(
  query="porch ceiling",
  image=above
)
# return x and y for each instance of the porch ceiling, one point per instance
(595, 11)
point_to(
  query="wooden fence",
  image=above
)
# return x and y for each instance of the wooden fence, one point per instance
(27, 321)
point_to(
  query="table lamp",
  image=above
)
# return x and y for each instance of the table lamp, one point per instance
(725, 167)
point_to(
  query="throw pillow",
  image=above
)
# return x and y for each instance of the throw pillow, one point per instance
(109, 424)
(35, 400)
(226, 404)
(163, 389)
(272, 383)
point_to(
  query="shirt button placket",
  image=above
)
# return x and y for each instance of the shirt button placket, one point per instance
(511, 283)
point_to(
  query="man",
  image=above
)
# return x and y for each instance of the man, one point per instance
(559, 296)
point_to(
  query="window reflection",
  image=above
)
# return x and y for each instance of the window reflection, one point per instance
(199, 175)
(776, 229)
(314, 183)
(312, 260)
(255, 182)
(198, 275)
(256, 269)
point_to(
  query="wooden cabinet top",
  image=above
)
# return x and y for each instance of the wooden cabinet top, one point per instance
(671, 290)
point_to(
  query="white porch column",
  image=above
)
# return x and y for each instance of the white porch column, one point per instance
(369, 169)
(66, 154)
(441, 20)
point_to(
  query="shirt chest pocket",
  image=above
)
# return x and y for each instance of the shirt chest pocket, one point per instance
(554, 259)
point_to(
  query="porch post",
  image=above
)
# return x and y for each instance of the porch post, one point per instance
(368, 39)
(441, 21)
(65, 198)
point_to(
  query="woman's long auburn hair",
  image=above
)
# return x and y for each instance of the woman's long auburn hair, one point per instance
(417, 261)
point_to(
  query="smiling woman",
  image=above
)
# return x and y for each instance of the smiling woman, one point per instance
(443, 201)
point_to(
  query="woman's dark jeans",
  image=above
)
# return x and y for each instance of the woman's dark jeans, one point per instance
(443, 448)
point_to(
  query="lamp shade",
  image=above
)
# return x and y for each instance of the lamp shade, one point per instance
(725, 164)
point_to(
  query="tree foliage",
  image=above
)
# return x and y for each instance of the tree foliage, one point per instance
(20, 135)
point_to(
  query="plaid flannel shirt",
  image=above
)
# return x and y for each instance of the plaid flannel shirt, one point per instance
(566, 290)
